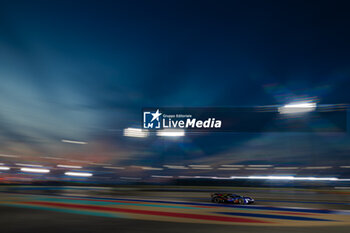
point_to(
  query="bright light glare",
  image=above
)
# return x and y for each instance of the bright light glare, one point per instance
(34, 170)
(135, 132)
(171, 133)
(297, 107)
(68, 166)
(81, 174)
(316, 178)
(4, 168)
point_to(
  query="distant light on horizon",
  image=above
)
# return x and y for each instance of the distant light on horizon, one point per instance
(74, 142)
(34, 170)
(171, 133)
(80, 174)
(297, 107)
(135, 132)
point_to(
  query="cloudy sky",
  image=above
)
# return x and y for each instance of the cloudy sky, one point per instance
(83, 70)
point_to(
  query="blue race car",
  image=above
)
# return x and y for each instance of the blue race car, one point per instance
(231, 198)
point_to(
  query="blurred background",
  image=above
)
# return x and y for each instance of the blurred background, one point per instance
(75, 75)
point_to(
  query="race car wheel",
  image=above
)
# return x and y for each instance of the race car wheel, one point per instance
(216, 200)
(241, 201)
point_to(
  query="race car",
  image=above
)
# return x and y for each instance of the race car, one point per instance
(231, 198)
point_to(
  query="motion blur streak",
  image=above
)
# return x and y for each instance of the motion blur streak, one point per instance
(135, 132)
(73, 142)
(68, 166)
(116, 168)
(298, 107)
(82, 174)
(9, 156)
(289, 178)
(152, 168)
(28, 165)
(35, 170)
(76, 153)
(171, 133)
(182, 209)
(152, 212)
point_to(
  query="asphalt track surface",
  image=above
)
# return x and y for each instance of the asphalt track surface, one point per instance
(139, 211)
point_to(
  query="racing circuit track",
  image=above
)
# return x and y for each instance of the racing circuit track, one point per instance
(77, 210)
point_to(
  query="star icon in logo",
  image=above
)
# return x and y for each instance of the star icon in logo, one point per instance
(156, 115)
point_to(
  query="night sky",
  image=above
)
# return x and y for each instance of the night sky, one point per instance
(83, 70)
